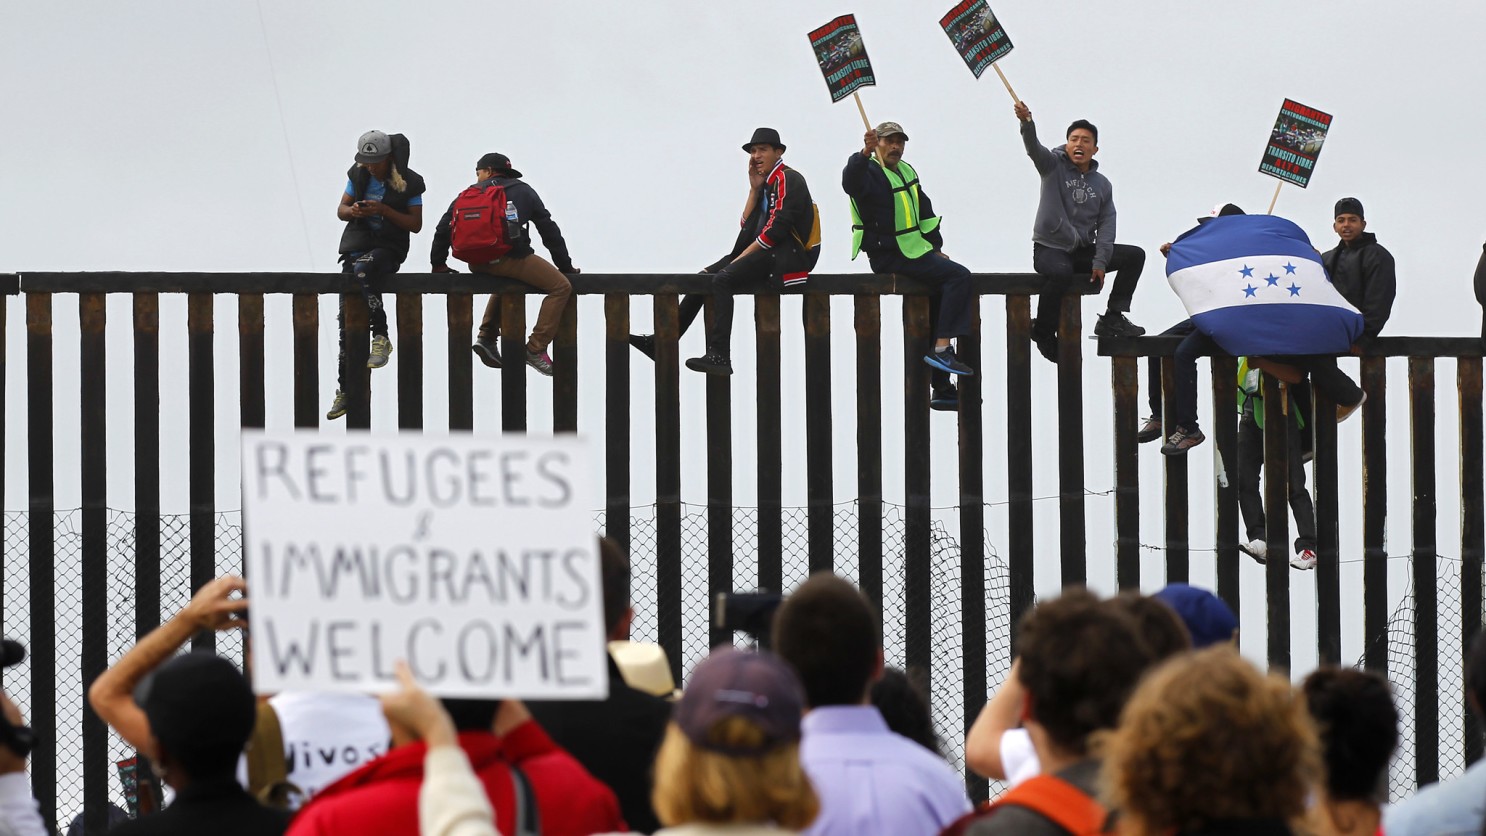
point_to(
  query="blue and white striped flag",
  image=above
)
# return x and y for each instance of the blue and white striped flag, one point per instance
(1256, 286)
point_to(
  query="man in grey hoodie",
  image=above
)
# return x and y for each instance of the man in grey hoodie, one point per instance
(1075, 233)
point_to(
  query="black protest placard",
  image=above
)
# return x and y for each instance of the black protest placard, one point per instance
(978, 37)
(1295, 143)
(842, 57)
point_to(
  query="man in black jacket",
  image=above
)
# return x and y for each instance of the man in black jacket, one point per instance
(1360, 268)
(521, 263)
(773, 246)
(382, 205)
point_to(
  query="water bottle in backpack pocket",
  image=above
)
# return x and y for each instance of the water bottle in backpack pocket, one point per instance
(481, 229)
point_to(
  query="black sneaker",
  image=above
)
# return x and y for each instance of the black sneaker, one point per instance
(1047, 342)
(1150, 430)
(946, 361)
(945, 399)
(1182, 440)
(645, 343)
(1114, 324)
(710, 363)
(488, 352)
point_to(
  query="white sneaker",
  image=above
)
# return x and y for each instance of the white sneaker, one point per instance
(1257, 549)
(1305, 560)
(1345, 412)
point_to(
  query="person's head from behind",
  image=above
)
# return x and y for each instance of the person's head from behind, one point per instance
(905, 708)
(201, 713)
(1158, 625)
(1358, 725)
(827, 631)
(1207, 737)
(614, 573)
(731, 753)
(1208, 620)
(1079, 659)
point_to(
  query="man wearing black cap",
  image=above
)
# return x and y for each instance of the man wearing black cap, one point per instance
(775, 245)
(1360, 268)
(192, 715)
(521, 263)
(20, 815)
(894, 222)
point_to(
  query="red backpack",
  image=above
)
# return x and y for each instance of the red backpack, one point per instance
(1057, 800)
(479, 234)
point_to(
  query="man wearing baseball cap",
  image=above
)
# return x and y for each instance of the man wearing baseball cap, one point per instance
(521, 263)
(894, 222)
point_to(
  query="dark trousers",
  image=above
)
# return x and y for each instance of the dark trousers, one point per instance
(1250, 471)
(949, 304)
(1326, 377)
(750, 272)
(1061, 266)
(366, 268)
(1184, 399)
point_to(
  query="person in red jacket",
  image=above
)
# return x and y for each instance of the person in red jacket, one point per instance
(500, 739)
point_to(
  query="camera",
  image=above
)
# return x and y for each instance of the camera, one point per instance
(747, 612)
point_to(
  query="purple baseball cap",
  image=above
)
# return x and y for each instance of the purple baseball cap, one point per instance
(737, 683)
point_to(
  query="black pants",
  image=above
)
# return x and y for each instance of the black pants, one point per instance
(366, 268)
(1061, 266)
(1326, 377)
(950, 304)
(1250, 470)
(750, 272)
(1194, 344)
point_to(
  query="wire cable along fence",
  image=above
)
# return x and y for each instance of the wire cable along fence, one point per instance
(79, 586)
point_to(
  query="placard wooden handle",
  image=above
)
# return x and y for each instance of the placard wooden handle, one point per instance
(1275, 199)
(997, 68)
(861, 110)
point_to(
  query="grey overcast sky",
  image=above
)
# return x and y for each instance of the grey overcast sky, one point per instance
(214, 136)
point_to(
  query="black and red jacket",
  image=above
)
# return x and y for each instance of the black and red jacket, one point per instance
(781, 222)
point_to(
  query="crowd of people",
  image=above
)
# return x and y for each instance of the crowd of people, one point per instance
(1134, 714)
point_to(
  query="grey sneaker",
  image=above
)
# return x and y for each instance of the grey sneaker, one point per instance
(1181, 440)
(381, 349)
(539, 361)
(337, 406)
(1150, 430)
(488, 352)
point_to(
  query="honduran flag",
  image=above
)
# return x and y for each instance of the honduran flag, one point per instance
(1256, 286)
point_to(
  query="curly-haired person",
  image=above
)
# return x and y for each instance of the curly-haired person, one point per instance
(1358, 724)
(1208, 745)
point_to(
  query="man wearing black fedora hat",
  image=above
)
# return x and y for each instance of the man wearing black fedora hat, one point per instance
(779, 242)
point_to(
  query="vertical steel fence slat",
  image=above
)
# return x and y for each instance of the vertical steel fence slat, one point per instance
(1072, 542)
(1019, 515)
(357, 347)
(201, 386)
(918, 547)
(820, 490)
(93, 424)
(617, 403)
(1472, 526)
(147, 525)
(1125, 383)
(770, 446)
(668, 478)
(41, 506)
(513, 373)
(972, 534)
(1328, 533)
(460, 317)
(719, 490)
(565, 375)
(1225, 489)
(1277, 520)
(250, 377)
(306, 359)
(410, 361)
(1375, 514)
(868, 326)
(1177, 499)
(1426, 573)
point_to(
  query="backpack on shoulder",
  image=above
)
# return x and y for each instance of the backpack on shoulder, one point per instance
(479, 231)
(268, 770)
(1050, 797)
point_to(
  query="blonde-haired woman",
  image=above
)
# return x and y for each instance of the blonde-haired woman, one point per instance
(730, 760)
(1209, 745)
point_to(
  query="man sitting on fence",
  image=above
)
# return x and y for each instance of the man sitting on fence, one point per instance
(894, 222)
(869, 779)
(191, 715)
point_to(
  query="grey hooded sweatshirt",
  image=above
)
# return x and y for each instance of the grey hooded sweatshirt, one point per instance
(1075, 208)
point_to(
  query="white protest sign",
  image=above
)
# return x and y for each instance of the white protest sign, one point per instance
(474, 559)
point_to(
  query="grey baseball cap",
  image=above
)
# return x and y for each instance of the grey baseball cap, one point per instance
(887, 129)
(373, 147)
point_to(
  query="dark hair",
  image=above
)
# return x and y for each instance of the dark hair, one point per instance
(470, 714)
(1158, 625)
(1358, 725)
(905, 708)
(1475, 673)
(201, 761)
(614, 566)
(827, 631)
(1080, 660)
(1086, 125)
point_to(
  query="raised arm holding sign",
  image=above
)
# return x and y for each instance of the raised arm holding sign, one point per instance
(843, 60)
(1294, 145)
(978, 37)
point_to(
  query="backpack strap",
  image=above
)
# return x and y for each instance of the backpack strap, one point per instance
(1057, 801)
(528, 818)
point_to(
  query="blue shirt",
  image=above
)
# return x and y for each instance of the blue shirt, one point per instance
(1443, 809)
(377, 190)
(872, 781)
